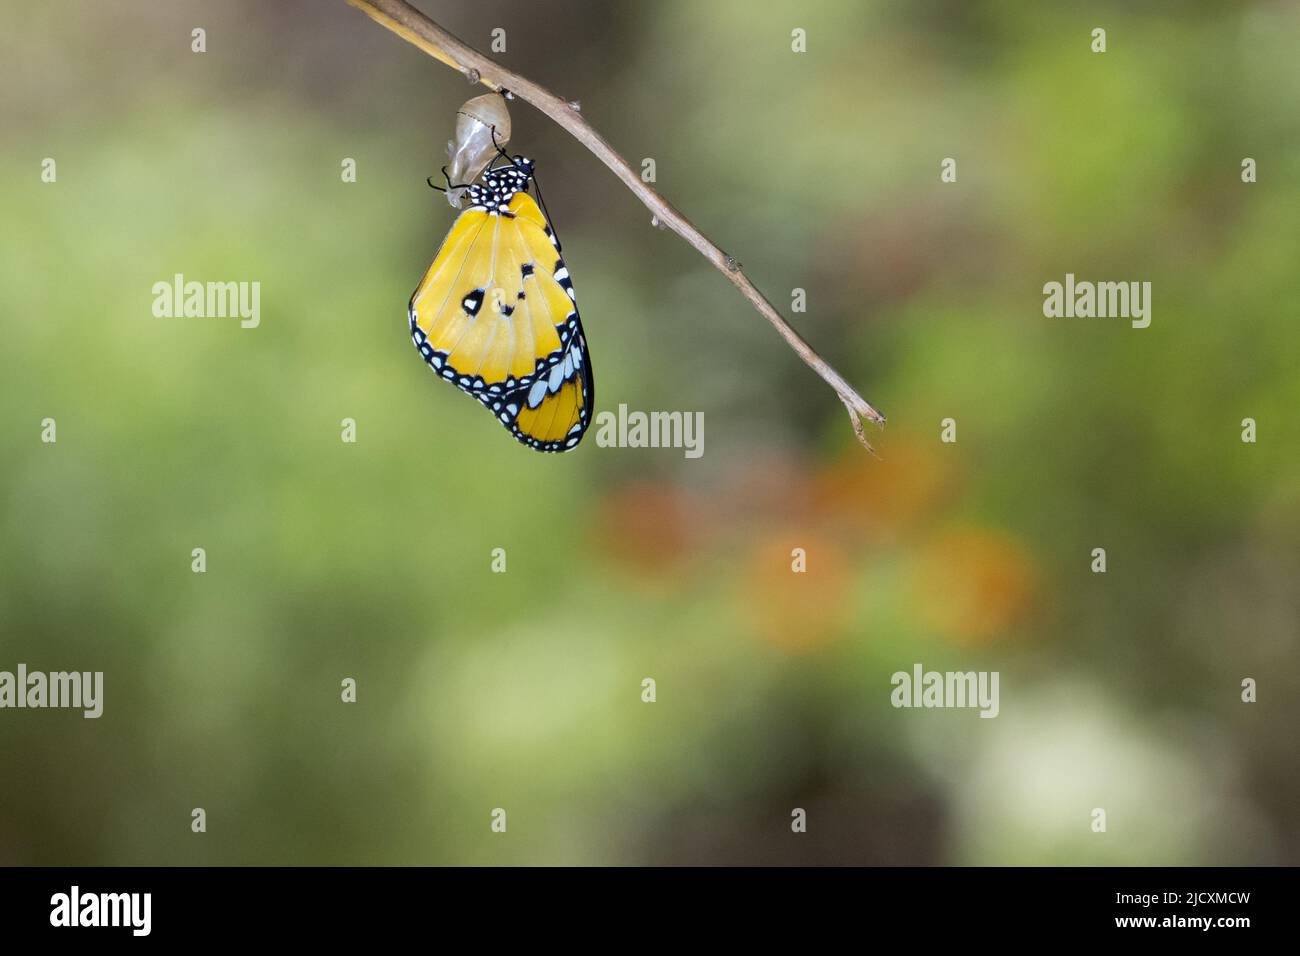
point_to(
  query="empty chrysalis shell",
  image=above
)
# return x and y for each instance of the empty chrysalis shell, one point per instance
(471, 150)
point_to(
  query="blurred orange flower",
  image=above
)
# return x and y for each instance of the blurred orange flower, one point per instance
(646, 526)
(873, 499)
(796, 610)
(974, 584)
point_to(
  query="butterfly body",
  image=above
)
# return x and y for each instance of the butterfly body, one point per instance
(496, 315)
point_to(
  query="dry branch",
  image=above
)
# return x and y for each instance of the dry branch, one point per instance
(416, 28)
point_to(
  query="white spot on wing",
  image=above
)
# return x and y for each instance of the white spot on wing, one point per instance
(537, 393)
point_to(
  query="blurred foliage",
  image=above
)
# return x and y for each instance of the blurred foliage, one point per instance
(522, 690)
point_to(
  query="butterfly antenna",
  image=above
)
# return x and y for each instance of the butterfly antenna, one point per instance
(508, 158)
(450, 185)
(540, 201)
(512, 160)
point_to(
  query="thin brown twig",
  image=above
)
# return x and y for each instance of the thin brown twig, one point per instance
(416, 28)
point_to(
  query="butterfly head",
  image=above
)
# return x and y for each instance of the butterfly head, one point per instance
(500, 185)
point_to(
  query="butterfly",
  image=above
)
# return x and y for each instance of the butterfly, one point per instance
(496, 314)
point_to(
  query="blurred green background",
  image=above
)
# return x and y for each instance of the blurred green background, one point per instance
(522, 690)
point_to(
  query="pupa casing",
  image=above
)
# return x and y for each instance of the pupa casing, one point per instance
(472, 148)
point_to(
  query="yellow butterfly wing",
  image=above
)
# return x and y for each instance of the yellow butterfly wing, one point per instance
(553, 414)
(496, 315)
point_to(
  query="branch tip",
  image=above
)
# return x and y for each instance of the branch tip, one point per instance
(858, 430)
